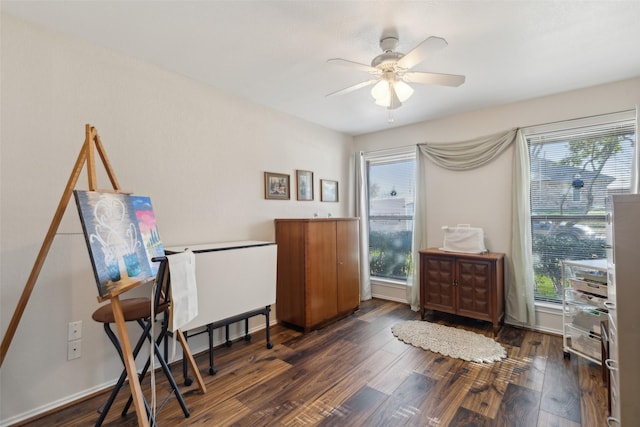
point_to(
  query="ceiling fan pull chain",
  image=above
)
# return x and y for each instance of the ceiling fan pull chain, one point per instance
(390, 119)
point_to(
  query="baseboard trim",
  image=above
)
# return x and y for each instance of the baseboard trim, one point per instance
(548, 315)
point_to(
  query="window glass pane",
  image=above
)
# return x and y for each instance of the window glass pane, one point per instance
(572, 173)
(391, 196)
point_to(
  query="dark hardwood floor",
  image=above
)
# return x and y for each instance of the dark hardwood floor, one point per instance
(356, 373)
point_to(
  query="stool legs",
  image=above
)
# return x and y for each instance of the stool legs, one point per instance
(165, 368)
(146, 327)
(123, 376)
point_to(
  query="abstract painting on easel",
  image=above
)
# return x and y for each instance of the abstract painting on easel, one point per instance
(122, 237)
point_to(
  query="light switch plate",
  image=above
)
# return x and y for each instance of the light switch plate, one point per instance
(75, 330)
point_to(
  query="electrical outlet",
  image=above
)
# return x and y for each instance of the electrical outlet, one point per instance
(74, 349)
(75, 330)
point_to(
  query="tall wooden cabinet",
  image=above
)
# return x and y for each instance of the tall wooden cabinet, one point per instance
(318, 279)
(623, 286)
(469, 285)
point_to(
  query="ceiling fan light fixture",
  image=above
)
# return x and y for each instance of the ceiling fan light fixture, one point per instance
(403, 90)
(382, 92)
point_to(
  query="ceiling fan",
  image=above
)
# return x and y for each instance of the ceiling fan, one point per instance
(391, 71)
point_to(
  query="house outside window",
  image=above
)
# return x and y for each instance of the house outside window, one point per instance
(391, 191)
(574, 168)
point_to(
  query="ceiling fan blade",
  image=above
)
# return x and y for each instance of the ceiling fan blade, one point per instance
(356, 65)
(421, 52)
(433, 78)
(352, 88)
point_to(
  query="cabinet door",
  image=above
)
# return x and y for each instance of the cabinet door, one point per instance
(474, 283)
(321, 299)
(348, 254)
(439, 275)
(290, 291)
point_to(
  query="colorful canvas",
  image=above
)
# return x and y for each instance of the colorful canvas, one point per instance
(148, 229)
(122, 237)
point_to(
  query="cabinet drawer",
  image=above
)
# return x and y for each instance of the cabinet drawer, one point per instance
(585, 319)
(583, 342)
(576, 296)
(591, 287)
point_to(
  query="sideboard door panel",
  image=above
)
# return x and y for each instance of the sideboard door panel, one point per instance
(439, 286)
(474, 289)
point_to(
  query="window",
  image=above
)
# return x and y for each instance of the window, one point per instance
(574, 167)
(391, 184)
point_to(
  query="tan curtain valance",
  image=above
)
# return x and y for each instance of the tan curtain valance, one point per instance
(470, 154)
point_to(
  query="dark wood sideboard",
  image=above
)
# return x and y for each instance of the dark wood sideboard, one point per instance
(469, 285)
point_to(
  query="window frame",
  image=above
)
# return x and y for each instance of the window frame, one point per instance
(385, 157)
(567, 130)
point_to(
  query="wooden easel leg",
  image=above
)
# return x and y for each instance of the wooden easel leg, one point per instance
(44, 250)
(186, 353)
(90, 138)
(106, 163)
(86, 156)
(129, 362)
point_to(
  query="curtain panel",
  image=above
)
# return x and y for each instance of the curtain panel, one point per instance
(419, 231)
(362, 201)
(467, 155)
(519, 291)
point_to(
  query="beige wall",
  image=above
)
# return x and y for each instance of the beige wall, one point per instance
(197, 152)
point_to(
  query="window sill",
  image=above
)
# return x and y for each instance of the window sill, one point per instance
(547, 306)
(392, 290)
(388, 282)
(549, 317)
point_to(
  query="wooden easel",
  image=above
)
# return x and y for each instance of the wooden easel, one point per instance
(87, 155)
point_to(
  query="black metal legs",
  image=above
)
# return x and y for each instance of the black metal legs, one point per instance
(226, 322)
(267, 311)
(146, 335)
(165, 368)
(104, 409)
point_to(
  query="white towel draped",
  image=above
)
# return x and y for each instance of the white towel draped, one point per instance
(184, 295)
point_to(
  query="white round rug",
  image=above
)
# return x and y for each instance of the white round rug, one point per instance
(448, 341)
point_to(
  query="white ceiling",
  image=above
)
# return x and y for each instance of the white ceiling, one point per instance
(274, 52)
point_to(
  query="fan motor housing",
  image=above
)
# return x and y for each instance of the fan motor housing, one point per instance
(387, 60)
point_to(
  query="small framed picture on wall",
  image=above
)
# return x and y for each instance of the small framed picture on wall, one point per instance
(276, 186)
(328, 190)
(305, 184)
